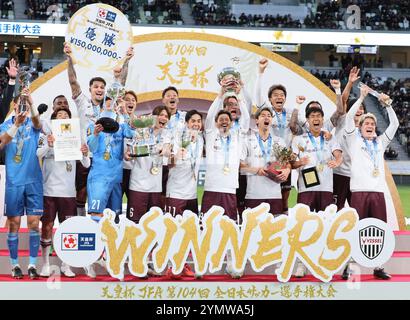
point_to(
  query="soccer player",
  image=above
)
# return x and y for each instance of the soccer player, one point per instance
(184, 168)
(59, 191)
(170, 99)
(341, 174)
(320, 156)
(259, 146)
(281, 117)
(130, 100)
(146, 173)
(366, 149)
(223, 154)
(89, 110)
(24, 185)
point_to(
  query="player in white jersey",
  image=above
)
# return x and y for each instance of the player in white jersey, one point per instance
(59, 191)
(317, 158)
(223, 153)
(341, 174)
(146, 173)
(367, 181)
(88, 110)
(183, 173)
(130, 100)
(259, 151)
(176, 123)
(281, 117)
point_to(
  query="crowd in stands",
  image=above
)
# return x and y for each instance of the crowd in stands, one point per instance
(375, 15)
(169, 7)
(64, 9)
(5, 7)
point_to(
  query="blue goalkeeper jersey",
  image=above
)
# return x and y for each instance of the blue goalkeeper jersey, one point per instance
(22, 164)
(108, 152)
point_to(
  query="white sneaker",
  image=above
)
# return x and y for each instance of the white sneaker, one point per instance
(45, 271)
(90, 272)
(66, 270)
(300, 270)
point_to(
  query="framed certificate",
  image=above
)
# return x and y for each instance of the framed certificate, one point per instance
(310, 177)
(67, 142)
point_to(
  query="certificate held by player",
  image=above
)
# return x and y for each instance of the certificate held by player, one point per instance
(67, 142)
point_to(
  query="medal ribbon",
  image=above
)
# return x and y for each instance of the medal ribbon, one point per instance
(265, 152)
(319, 154)
(225, 146)
(372, 151)
(20, 139)
(281, 122)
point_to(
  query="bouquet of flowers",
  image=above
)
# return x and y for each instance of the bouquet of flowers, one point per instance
(283, 156)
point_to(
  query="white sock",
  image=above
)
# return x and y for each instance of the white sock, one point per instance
(45, 250)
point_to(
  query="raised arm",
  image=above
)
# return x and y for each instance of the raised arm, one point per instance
(353, 77)
(124, 69)
(350, 124)
(394, 122)
(260, 99)
(294, 124)
(45, 144)
(72, 76)
(245, 119)
(213, 110)
(340, 110)
(8, 92)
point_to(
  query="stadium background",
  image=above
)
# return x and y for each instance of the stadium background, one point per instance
(385, 64)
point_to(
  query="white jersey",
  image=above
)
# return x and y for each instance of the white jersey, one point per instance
(127, 164)
(223, 152)
(87, 111)
(183, 177)
(341, 137)
(259, 187)
(365, 159)
(303, 146)
(142, 179)
(58, 176)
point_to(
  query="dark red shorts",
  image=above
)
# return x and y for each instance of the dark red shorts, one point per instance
(139, 204)
(126, 173)
(65, 207)
(81, 175)
(178, 206)
(224, 200)
(241, 193)
(287, 185)
(276, 205)
(316, 200)
(165, 173)
(369, 205)
(341, 190)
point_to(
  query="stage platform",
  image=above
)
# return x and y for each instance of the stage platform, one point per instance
(218, 285)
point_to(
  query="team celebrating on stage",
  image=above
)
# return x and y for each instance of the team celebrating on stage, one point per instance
(248, 157)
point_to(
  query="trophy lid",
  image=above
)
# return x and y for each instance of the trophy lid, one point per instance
(107, 120)
(228, 71)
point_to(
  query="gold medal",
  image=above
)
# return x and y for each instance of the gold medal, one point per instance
(320, 167)
(154, 170)
(107, 156)
(226, 170)
(17, 158)
(376, 172)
